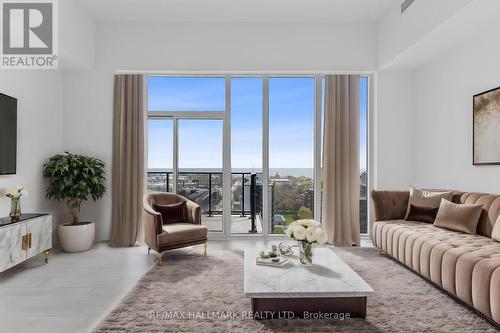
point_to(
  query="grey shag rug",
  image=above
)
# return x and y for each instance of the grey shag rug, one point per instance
(187, 291)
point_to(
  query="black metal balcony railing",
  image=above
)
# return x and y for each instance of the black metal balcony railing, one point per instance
(205, 188)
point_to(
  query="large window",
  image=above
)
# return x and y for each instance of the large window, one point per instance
(246, 149)
(200, 167)
(363, 153)
(176, 94)
(185, 130)
(246, 155)
(291, 150)
(160, 155)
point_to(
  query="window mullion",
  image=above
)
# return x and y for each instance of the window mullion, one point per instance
(175, 160)
(265, 157)
(226, 164)
(317, 146)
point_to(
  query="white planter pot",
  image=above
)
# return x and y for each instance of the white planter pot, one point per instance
(76, 237)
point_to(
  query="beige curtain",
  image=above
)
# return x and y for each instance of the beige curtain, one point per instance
(340, 203)
(128, 159)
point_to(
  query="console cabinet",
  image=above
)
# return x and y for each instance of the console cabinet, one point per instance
(24, 239)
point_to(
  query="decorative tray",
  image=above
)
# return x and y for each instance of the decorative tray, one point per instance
(269, 262)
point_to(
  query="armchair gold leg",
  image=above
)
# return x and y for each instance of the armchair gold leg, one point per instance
(46, 257)
(205, 246)
(159, 257)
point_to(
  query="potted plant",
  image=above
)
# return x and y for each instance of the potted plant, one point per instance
(74, 179)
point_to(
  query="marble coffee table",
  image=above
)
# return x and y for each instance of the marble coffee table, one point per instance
(329, 287)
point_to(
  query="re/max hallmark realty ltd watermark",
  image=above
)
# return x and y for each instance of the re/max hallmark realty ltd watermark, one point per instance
(29, 34)
(242, 315)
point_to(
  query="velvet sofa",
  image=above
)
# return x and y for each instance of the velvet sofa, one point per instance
(467, 266)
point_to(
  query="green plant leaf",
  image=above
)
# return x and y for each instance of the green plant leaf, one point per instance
(74, 178)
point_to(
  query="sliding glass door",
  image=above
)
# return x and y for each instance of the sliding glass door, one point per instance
(160, 155)
(246, 155)
(199, 176)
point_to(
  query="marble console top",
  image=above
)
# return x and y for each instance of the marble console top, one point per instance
(329, 276)
(6, 221)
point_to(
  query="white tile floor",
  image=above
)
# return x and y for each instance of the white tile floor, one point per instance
(75, 291)
(70, 294)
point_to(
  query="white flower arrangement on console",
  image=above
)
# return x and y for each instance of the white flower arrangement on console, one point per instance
(14, 194)
(306, 233)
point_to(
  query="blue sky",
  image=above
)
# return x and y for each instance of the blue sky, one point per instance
(291, 116)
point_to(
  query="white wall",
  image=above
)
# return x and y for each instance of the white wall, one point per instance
(88, 96)
(430, 29)
(40, 121)
(41, 113)
(76, 37)
(393, 133)
(236, 46)
(443, 115)
(398, 32)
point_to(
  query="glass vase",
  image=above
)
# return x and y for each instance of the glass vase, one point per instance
(15, 209)
(305, 253)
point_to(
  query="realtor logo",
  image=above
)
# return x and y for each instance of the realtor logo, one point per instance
(29, 34)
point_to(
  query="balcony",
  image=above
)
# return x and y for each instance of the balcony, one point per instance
(289, 199)
(206, 189)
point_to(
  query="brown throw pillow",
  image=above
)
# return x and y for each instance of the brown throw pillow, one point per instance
(495, 234)
(173, 213)
(458, 217)
(422, 214)
(430, 199)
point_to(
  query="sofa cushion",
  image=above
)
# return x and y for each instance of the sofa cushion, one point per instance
(390, 205)
(173, 213)
(495, 234)
(422, 214)
(426, 198)
(458, 217)
(181, 232)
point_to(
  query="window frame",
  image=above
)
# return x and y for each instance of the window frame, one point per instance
(225, 116)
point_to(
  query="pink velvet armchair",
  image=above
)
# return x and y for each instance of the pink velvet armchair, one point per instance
(163, 233)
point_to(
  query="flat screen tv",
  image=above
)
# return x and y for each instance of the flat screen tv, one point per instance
(8, 134)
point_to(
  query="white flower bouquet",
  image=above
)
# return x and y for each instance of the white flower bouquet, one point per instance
(306, 233)
(306, 230)
(14, 194)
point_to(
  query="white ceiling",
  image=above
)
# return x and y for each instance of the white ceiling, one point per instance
(307, 11)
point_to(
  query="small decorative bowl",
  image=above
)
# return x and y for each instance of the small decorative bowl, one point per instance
(264, 255)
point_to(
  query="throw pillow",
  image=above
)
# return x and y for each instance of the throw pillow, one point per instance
(429, 199)
(422, 214)
(173, 213)
(495, 234)
(458, 217)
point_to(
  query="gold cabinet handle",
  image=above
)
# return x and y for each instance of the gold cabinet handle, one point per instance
(29, 240)
(24, 242)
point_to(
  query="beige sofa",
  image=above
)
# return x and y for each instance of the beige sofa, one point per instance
(466, 266)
